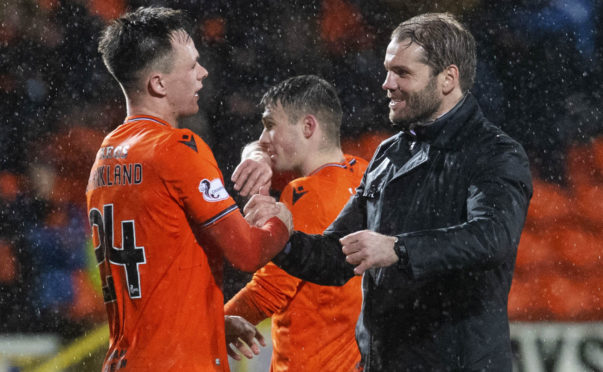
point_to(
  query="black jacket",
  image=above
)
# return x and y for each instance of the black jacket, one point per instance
(457, 201)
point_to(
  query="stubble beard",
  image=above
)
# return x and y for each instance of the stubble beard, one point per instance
(421, 107)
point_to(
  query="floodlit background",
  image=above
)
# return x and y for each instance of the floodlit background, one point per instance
(539, 77)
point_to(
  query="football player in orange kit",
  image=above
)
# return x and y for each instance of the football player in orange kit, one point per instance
(312, 325)
(160, 217)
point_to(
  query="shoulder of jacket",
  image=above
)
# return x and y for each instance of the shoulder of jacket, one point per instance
(490, 146)
(489, 135)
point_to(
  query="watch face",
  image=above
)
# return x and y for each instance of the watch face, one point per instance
(400, 250)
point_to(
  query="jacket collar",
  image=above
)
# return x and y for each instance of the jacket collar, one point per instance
(445, 131)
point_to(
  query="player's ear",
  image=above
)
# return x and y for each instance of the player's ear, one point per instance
(450, 79)
(310, 124)
(156, 85)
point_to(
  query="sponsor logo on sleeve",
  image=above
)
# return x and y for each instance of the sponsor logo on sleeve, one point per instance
(213, 190)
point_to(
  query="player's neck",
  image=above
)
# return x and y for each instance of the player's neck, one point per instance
(135, 108)
(320, 158)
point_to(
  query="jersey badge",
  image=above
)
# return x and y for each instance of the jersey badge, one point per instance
(189, 142)
(298, 193)
(213, 190)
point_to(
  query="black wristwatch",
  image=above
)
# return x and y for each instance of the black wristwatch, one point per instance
(400, 250)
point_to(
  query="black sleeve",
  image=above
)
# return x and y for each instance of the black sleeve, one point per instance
(318, 258)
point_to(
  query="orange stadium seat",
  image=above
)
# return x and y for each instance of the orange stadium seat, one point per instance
(597, 148)
(590, 204)
(527, 299)
(578, 247)
(570, 298)
(342, 25)
(585, 172)
(581, 165)
(8, 263)
(595, 285)
(214, 29)
(550, 203)
(9, 186)
(107, 9)
(535, 250)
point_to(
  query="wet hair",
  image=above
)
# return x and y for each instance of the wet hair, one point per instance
(445, 42)
(308, 94)
(139, 40)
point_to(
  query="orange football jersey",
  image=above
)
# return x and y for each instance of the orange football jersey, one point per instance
(312, 326)
(161, 289)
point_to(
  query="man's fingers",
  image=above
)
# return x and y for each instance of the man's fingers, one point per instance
(240, 337)
(255, 349)
(261, 216)
(264, 190)
(261, 175)
(261, 221)
(236, 174)
(249, 175)
(354, 259)
(233, 354)
(353, 237)
(360, 269)
(251, 183)
(260, 337)
(265, 178)
(240, 174)
(250, 336)
(350, 248)
(351, 244)
(243, 349)
(258, 201)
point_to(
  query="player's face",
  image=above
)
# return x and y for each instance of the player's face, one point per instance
(281, 138)
(410, 85)
(185, 78)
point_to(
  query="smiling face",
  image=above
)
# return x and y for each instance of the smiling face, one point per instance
(185, 77)
(281, 138)
(412, 88)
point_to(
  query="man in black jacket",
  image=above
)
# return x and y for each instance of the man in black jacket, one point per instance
(435, 224)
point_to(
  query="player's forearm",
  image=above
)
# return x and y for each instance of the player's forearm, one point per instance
(242, 304)
(264, 243)
(246, 247)
(315, 258)
(270, 290)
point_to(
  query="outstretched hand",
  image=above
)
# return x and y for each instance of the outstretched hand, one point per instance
(367, 249)
(242, 335)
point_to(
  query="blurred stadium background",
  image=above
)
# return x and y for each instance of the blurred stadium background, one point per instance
(539, 77)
